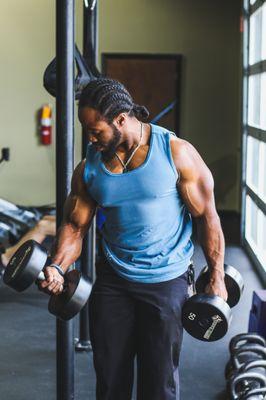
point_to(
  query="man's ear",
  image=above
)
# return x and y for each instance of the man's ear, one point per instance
(120, 120)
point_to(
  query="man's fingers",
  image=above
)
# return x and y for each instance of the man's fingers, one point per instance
(48, 280)
(58, 288)
(45, 283)
(53, 283)
(52, 286)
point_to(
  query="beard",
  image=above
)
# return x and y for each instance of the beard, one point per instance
(109, 152)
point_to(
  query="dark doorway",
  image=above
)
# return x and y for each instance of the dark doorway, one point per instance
(153, 81)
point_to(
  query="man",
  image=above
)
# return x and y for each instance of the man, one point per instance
(148, 183)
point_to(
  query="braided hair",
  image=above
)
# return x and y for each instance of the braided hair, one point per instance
(110, 98)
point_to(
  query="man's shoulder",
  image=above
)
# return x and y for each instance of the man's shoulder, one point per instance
(160, 130)
(179, 146)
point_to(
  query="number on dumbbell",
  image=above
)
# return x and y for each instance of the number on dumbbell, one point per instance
(192, 316)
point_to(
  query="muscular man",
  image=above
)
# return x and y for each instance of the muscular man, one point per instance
(149, 183)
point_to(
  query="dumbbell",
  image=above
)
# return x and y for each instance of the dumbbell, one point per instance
(207, 317)
(242, 356)
(26, 266)
(246, 378)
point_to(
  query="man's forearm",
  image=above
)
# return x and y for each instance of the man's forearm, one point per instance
(68, 245)
(211, 239)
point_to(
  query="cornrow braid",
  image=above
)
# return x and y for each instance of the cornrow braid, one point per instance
(110, 98)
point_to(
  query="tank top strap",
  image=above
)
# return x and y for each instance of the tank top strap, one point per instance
(163, 142)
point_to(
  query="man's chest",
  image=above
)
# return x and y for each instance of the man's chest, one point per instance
(117, 163)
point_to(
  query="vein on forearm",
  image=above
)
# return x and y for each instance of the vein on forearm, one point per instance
(211, 239)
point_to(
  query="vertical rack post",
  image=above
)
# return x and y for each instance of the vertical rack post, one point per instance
(64, 169)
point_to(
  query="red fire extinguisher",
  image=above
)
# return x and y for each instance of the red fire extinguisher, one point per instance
(46, 124)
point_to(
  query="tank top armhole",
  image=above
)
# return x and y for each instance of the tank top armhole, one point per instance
(170, 157)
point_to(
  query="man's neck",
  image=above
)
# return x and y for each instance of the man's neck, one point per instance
(132, 137)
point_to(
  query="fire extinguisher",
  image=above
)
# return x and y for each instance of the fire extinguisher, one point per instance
(46, 124)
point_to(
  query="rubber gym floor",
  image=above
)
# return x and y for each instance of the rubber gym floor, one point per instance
(27, 346)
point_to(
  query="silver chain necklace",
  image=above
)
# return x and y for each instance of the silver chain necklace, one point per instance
(124, 165)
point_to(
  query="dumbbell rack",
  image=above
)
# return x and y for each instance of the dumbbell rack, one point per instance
(245, 372)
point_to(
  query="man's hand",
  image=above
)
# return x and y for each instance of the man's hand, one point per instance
(53, 283)
(217, 287)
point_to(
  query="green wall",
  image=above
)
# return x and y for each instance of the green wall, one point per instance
(206, 32)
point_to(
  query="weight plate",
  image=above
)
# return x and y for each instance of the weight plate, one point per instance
(25, 265)
(206, 317)
(233, 281)
(66, 305)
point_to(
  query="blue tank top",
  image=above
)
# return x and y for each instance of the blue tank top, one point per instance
(146, 236)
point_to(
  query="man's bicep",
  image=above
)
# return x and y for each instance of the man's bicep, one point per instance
(198, 195)
(79, 207)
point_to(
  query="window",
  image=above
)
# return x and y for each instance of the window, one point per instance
(255, 37)
(254, 132)
(257, 100)
(255, 230)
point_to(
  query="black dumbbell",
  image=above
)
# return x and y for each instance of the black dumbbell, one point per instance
(26, 266)
(245, 379)
(243, 355)
(233, 281)
(207, 317)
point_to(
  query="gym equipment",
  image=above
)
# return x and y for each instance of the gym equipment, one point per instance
(207, 317)
(247, 347)
(164, 112)
(255, 394)
(256, 366)
(244, 380)
(259, 367)
(88, 254)
(242, 356)
(65, 32)
(27, 265)
(84, 75)
(235, 342)
(233, 281)
(257, 317)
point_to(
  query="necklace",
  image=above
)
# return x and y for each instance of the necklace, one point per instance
(124, 165)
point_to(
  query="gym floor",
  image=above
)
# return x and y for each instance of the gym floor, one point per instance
(27, 350)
